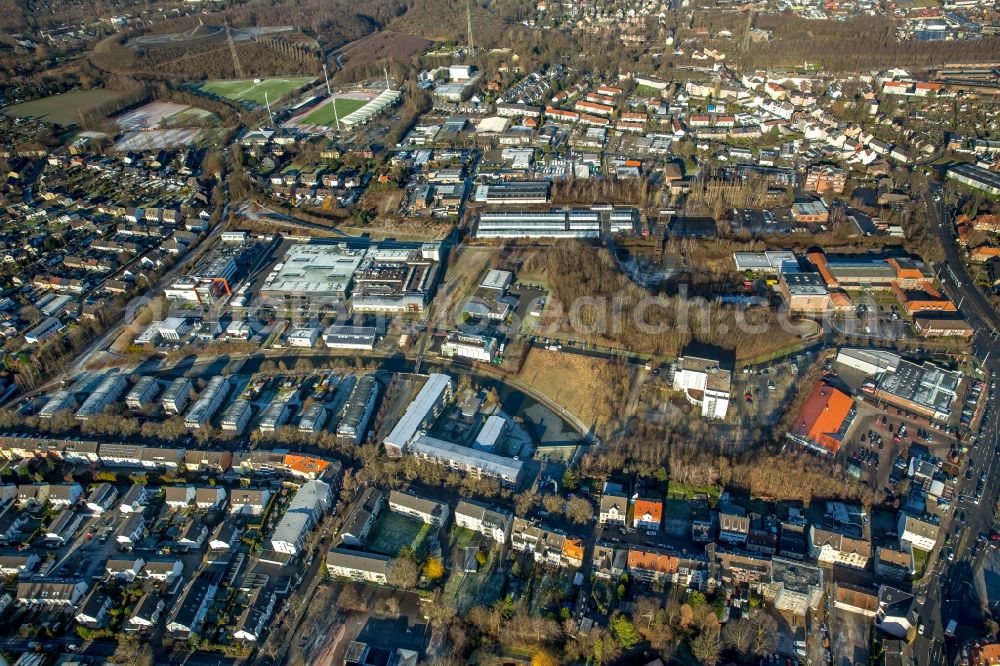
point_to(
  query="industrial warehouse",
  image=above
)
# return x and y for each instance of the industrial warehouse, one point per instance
(554, 223)
(376, 279)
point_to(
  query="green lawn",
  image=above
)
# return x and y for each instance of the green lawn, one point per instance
(393, 531)
(463, 537)
(683, 491)
(647, 91)
(245, 90)
(324, 114)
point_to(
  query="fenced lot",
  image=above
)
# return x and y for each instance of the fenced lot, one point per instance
(393, 531)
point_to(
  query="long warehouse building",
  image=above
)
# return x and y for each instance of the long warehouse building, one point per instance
(540, 224)
(425, 407)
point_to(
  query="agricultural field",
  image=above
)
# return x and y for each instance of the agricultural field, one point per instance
(249, 92)
(324, 115)
(64, 109)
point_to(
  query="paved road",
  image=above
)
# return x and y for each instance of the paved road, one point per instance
(950, 588)
(960, 286)
(951, 592)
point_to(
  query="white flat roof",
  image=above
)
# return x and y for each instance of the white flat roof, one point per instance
(315, 269)
(496, 279)
(407, 426)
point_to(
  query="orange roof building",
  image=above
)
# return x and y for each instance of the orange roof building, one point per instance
(841, 302)
(647, 514)
(305, 466)
(923, 299)
(818, 259)
(983, 254)
(572, 551)
(824, 419)
(985, 655)
(593, 107)
(651, 564)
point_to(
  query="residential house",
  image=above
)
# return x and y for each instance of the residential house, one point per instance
(121, 455)
(101, 498)
(425, 510)
(64, 494)
(918, 532)
(134, 499)
(147, 612)
(124, 568)
(362, 518)
(192, 535)
(897, 612)
(742, 568)
(254, 619)
(17, 563)
(225, 536)
(572, 552)
(63, 527)
(545, 546)
(855, 599)
(178, 497)
(763, 535)
(311, 501)
(12, 519)
(647, 513)
(193, 605)
(93, 613)
(652, 565)
(210, 498)
(51, 592)
(357, 565)
(894, 564)
(131, 531)
(164, 570)
(208, 461)
(613, 508)
(81, 453)
(609, 561)
(248, 501)
(733, 528)
(835, 548)
(493, 523)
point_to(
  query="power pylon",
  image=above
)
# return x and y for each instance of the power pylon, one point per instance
(232, 51)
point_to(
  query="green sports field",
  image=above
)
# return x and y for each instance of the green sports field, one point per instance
(324, 114)
(245, 90)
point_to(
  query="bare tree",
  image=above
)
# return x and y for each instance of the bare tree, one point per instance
(706, 647)
(403, 572)
(765, 633)
(737, 635)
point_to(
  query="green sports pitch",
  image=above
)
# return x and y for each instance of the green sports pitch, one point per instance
(324, 114)
(245, 90)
